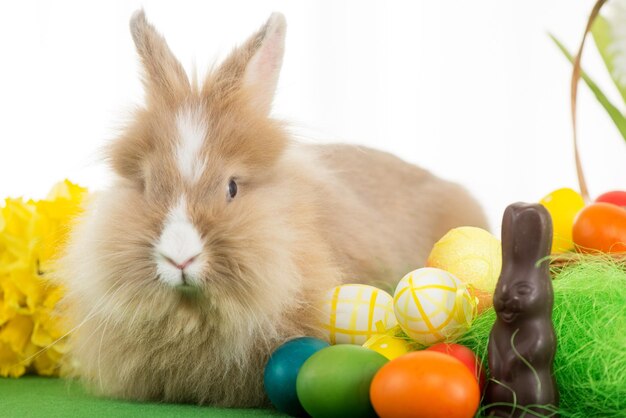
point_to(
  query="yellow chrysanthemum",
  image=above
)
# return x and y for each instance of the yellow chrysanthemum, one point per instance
(31, 235)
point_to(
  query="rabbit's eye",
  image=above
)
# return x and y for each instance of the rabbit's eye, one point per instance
(232, 189)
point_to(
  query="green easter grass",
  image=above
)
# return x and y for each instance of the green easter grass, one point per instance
(40, 397)
(590, 366)
(589, 318)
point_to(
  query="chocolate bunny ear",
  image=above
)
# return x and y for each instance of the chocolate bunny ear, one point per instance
(526, 233)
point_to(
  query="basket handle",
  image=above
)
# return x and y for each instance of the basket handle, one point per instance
(576, 70)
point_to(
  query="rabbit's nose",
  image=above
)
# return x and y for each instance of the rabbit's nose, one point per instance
(180, 265)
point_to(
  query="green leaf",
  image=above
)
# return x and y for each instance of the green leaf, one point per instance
(614, 113)
(603, 38)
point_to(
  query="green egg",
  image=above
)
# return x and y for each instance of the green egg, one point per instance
(335, 381)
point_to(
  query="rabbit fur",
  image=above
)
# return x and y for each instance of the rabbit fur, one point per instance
(179, 290)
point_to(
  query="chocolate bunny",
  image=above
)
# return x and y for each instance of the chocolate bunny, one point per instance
(522, 343)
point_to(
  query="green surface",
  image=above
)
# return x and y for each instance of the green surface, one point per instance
(30, 397)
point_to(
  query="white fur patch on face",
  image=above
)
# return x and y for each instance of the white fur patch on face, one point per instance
(192, 130)
(179, 249)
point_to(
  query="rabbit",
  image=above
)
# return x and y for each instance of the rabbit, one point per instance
(221, 234)
(522, 343)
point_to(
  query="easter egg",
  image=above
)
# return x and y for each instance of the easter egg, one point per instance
(282, 370)
(616, 197)
(465, 356)
(563, 205)
(472, 255)
(601, 227)
(352, 313)
(388, 345)
(335, 381)
(425, 384)
(432, 305)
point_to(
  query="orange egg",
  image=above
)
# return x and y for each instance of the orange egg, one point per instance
(601, 227)
(425, 384)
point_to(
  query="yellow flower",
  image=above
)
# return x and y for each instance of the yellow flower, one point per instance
(32, 234)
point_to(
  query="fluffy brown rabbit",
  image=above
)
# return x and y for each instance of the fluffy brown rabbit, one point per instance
(221, 233)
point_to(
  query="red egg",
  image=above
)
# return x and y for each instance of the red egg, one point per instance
(601, 227)
(465, 356)
(616, 197)
(425, 384)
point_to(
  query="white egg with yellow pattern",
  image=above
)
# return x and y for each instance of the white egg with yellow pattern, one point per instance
(352, 313)
(431, 305)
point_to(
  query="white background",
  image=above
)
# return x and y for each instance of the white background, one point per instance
(473, 90)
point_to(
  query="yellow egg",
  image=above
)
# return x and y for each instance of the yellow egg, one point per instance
(352, 313)
(472, 255)
(388, 345)
(432, 305)
(563, 205)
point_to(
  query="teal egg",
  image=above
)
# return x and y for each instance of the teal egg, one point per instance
(282, 370)
(335, 381)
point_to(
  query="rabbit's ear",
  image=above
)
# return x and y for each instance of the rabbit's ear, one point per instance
(256, 64)
(263, 69)
(164, 77)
